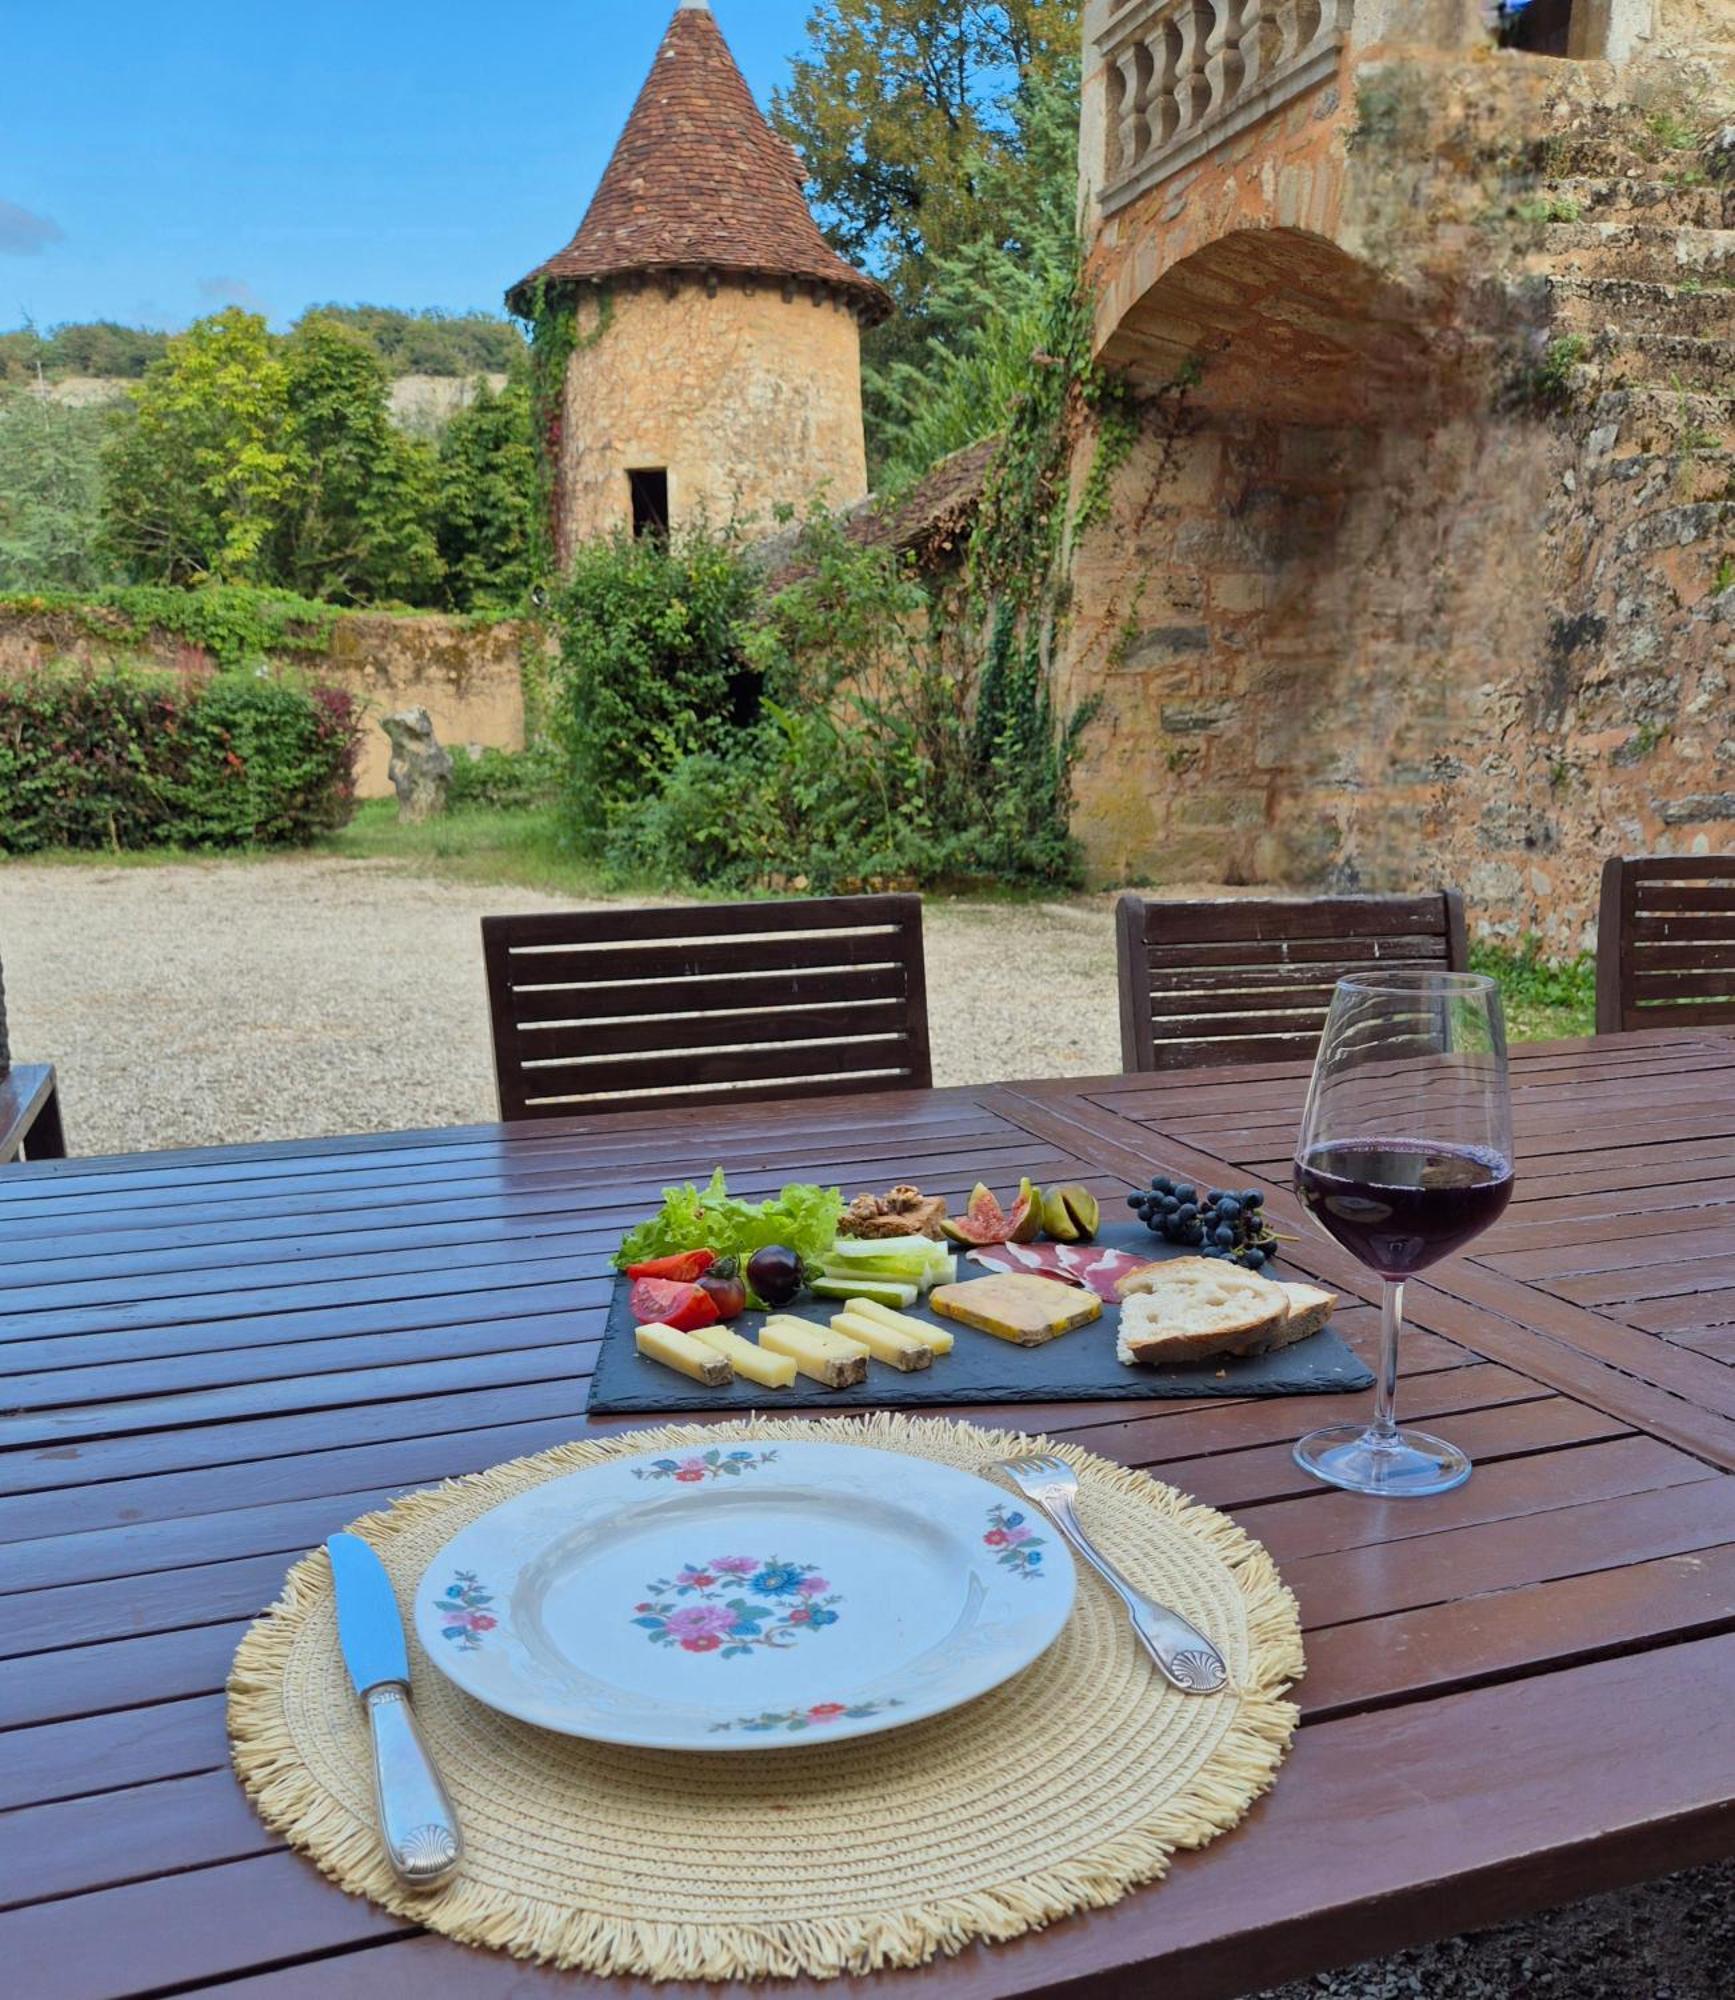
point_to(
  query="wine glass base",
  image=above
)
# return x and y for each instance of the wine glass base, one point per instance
(1408, 1465)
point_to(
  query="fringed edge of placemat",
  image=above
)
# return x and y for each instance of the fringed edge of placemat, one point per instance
(1241, 1769)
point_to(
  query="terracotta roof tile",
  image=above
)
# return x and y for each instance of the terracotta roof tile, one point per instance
(700, 182)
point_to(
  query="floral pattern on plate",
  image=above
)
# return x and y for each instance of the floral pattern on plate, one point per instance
(464, 1612)
(1016, 1544)
(735, 1603)
(699, 1466)
(791, 1721)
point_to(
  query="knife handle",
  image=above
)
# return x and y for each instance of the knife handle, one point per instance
(417, 1823)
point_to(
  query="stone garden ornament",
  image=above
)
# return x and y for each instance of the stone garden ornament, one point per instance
(420, 771)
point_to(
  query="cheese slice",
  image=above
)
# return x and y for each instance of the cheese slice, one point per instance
(940, 1338)
(681, 1352)
(1017, 1306)
(885, 1343)
(753, 1364)
(831, 1359)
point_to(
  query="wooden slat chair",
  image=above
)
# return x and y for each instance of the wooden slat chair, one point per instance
(1250, 981)
(648, 1009)
(1665, 944)
(30, 1126)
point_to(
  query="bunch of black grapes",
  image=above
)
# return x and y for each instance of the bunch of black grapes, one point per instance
(1221, 1224)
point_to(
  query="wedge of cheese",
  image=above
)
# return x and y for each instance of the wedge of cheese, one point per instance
(1017, 1306)
(752, 1364)
(681, 1352)
(831, 1359)
(885, 1343)
(940, 1338)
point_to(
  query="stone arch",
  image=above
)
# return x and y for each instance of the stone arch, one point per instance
(1281, 325)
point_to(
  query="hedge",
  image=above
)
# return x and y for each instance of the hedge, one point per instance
(94, 758)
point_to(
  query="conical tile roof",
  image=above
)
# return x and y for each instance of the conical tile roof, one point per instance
(699, 182)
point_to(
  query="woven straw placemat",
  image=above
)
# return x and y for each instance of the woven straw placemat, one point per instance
(1058, 1792)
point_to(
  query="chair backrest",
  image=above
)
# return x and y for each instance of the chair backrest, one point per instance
(724, 1003)
(1250, 980)
(1665, 944)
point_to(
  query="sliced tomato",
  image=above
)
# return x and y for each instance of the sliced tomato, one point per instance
(667, 1302)
(686, 1267)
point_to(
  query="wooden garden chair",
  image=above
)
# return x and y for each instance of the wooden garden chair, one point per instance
(725, 1003)
(30, 1126)
(1665, 944)
(1250, 981)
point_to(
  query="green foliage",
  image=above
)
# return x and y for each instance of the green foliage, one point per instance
(121, 760)
(353, 521)
(408, 343)
(487, 483)
(236, 626)
(952, 373)
(505, 780)
(940, 143)
(50, 493)
(1543, 998)
(884, 753)
(431, 342)
(652, 668)
(98, 347)
(195, 477)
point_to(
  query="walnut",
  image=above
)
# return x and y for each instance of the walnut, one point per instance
(905, 1211)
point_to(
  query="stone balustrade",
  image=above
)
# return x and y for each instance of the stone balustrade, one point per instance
(1182, 76)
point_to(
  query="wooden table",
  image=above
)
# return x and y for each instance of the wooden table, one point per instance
(1517, 1694)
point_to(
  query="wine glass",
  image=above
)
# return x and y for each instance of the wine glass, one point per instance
(1405, 1154)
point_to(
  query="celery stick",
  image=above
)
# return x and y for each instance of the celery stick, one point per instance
(879, 1290)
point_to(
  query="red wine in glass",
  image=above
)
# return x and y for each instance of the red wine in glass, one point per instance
(1404, 1156)
(1398, 1205)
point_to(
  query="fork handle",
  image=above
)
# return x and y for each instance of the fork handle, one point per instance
(1183, 1653)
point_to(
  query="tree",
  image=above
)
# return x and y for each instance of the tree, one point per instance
(354, 525)
(989, 302)
(50, 488)
(487, 486)
(196, 470)
(940, 139)
(901, 108)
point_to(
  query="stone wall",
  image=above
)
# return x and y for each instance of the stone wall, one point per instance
(748, 395)
(1423, 569)
(465, 673)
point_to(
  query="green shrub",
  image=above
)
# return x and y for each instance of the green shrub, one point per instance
(505, 780)
(112, 759)
(652, 669)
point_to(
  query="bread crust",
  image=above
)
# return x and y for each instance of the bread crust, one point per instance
(1252, 1313)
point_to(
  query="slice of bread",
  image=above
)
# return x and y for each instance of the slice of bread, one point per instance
(1309, 1309)
(1193, 1307)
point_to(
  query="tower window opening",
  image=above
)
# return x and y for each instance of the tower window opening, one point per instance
(650, 494)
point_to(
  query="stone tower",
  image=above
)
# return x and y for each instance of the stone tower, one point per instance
(717, 369)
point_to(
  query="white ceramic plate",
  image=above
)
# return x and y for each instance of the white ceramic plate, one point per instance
(745, 1597)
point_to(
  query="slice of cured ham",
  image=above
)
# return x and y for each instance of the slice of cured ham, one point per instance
(1090, 1266)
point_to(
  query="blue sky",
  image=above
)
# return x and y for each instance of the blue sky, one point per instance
(158, 162)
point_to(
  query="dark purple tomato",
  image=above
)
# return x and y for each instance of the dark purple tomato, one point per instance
(728, 1293)
(775, 1274)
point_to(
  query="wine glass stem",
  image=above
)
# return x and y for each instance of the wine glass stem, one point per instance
(1384, 1429)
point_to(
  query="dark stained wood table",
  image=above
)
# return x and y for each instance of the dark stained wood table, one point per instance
(1517, 1694)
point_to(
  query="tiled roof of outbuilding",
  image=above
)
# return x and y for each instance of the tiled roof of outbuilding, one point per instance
(700, 183)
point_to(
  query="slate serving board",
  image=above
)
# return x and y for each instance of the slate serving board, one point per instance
(1078, 1367)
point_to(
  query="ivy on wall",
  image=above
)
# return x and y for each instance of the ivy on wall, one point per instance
(235, 624)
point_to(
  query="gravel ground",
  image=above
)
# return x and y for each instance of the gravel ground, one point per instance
(195, 1004)
(190, 1005)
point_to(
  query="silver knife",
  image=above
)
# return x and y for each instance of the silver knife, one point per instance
(417, 1823)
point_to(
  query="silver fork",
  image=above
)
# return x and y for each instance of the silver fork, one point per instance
(1183, 1652)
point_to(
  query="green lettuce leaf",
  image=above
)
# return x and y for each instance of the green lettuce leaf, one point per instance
(802, 1217)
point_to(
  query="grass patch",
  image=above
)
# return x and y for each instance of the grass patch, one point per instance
(1544, 1000)
(521, 848)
